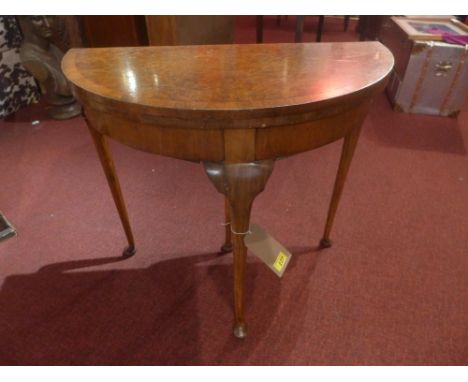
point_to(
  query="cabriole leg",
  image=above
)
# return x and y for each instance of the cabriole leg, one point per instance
(240, 183)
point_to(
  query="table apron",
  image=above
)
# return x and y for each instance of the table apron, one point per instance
(216, 144)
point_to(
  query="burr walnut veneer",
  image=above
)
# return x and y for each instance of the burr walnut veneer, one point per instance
(235, 108)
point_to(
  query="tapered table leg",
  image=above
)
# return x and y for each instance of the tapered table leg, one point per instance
(349, 145)
(240, 183)
(109, 169)
(227, 246)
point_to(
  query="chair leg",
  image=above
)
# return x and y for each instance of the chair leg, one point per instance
(299, 28)
(320, 28)
(259, 22)
(346, 23)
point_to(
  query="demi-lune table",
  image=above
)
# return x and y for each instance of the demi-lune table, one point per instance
(235, 108)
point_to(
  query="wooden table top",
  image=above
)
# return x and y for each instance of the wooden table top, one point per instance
(227, 81)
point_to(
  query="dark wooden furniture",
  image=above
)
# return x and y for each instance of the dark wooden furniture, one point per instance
(318, 38)
(235, 108)
(369, 27)
(190, 30)
(299, 27)
(116, 30)
(128, 30)
(259, 26)
(346, 22)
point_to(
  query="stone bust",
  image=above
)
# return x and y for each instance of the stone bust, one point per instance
(42, 58)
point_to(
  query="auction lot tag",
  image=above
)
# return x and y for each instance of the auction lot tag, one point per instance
(267, 249)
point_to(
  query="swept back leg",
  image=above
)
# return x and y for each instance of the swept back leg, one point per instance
(114, 185)
(349, 145)
(240, 183)
(227, 246)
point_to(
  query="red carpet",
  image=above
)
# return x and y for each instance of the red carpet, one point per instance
(392, 290)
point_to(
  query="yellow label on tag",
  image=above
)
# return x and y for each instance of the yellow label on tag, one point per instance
(267, 249)
(280, 261)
